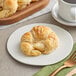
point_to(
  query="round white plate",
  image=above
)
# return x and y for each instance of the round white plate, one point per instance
(64, 49)
(58, 18)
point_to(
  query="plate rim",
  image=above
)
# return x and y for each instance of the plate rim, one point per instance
(14, 57)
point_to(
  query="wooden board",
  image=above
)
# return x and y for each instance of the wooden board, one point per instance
(29, 10)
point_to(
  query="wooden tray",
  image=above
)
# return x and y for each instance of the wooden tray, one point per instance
(29, 10)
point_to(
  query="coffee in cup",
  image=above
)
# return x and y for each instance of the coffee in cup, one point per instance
(70, 1)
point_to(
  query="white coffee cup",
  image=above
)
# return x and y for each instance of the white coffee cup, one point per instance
(67, 11)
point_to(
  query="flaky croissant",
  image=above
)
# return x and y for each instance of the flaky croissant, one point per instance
(40, 40)
(23, 3)
(9, 7)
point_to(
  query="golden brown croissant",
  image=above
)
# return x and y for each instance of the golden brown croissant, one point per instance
(9, 7)
(40, 40)
(1, 4)
(23, 3)
(34, 0)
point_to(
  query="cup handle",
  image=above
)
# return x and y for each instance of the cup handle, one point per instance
(73, 12)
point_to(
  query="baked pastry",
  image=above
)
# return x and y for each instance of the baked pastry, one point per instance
(40, 40)
(1, 4)
(34, 0)
(23, 3)
(8, 7)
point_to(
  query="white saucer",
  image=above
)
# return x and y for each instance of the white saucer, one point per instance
(58, 18)
(64, 49)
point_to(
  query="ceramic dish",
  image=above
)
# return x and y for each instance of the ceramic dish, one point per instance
(64, 49)
(58, 18)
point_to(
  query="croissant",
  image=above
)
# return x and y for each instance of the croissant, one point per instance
(40, 40)
(8, 8)
(23, 3)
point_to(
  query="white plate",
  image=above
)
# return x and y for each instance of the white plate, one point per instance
(58, 18)
(64, 49)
